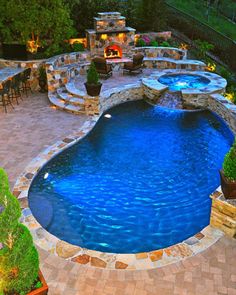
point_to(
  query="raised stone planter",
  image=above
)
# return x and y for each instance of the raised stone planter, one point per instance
(162, 52)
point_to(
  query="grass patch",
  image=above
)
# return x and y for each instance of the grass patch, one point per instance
(198, 10)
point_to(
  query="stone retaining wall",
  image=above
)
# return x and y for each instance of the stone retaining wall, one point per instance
(167, 52)
(120, 95)
(61, 68)
(223, 214)
(224, 108)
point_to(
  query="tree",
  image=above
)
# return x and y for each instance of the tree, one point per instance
(45, 21)
(85, 10)
(130, 9)
(152, 15)
(19, 262)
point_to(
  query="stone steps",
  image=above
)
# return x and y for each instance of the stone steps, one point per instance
(69, 98)
(56, 100)
(70, 87)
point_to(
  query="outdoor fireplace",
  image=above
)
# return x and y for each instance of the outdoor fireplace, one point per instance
(110, 37)
(113, 51)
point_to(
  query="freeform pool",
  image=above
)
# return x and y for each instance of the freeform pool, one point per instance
(139, 181)
(177, 82)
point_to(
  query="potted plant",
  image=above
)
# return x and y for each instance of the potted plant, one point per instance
(228, 174)
(93, 86)
(19, 261)
(42, 79)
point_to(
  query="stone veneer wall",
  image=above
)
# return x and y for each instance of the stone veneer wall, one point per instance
(116, 96)
(97, 45)
(224, 108)
(223, 214)
(33, 64)
(166, 52)
(61, 68)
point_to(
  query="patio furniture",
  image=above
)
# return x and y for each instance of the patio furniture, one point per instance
(135, 65)
(5, 95)
(102, 67)
(16, 88)
(25, 80)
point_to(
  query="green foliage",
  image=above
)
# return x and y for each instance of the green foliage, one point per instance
(217, 21)
(84, 11)
(46, 20)
(229, 165)
(203, 47)
(165, 44)
(225, 73)
(154, 43)
(92, 75)
(38, 285)
(77, 47)
(19, 263)
(42, 73)
(141, 43)
(152, 15)
(129, 9)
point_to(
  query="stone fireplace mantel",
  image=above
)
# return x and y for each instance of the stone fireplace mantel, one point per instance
(110, 30)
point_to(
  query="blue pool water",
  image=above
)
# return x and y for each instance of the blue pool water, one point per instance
(139, 181)
(177, 82)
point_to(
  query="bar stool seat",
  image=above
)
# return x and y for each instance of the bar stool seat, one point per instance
(5, 95)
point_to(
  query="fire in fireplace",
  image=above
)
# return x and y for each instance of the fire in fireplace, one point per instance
(113, 51)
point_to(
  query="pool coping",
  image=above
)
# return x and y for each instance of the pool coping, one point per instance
(139, 261)
(217, 83)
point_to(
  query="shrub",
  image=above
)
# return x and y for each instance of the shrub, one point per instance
(42, 73)
(33, 19)
(152, 15)
(92, 75)
(19, 262)
(154, 43)
(141, 43)
(165, 44)
(146, 39)
(229, 165)
(202, 49)
(77, 46)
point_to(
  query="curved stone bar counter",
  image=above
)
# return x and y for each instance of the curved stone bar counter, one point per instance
(21, 66)
(8, 74)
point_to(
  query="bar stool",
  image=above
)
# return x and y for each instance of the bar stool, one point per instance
(25, 80)
(15, 88)
(5, 95)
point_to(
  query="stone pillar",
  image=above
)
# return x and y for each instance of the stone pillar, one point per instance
(223, 214)
(92, 105)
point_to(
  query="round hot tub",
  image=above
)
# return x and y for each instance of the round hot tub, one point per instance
(180, 81)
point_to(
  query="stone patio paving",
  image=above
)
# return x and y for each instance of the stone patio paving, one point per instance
(25, 132)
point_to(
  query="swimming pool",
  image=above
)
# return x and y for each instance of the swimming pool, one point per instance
(139, 181)
(177, 82)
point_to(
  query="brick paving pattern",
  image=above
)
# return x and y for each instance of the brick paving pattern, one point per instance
(33, 126)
